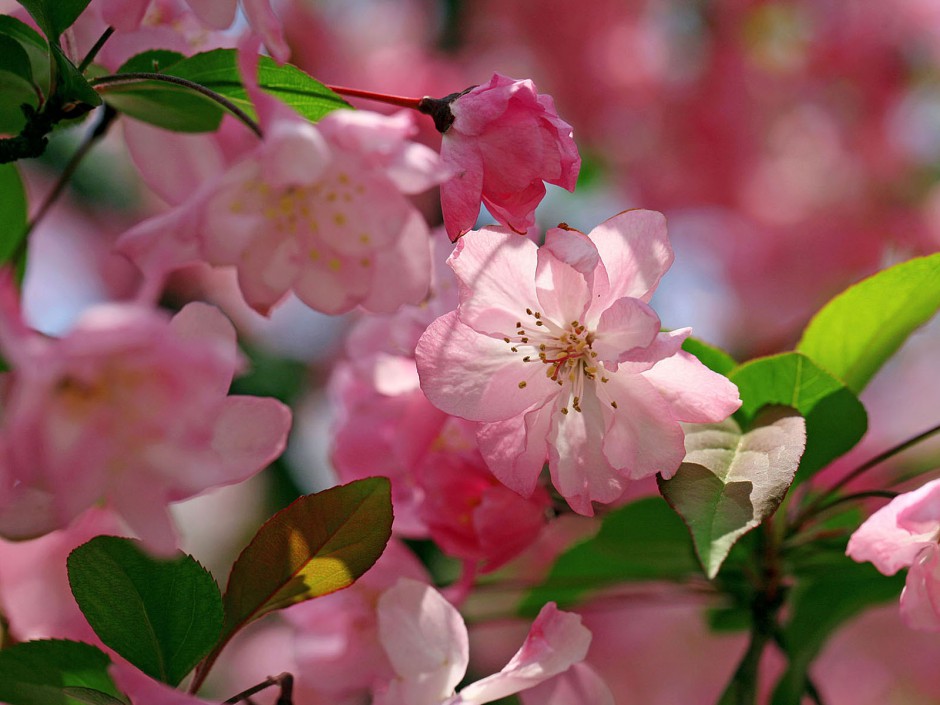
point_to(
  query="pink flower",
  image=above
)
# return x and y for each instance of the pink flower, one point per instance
(905, 533)
(556, 350)
(129, 409)
(426, 641)
(320, 210)
(505, 140)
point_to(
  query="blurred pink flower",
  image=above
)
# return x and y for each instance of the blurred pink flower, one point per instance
(904, 534)
(426, 641)
(504, 141)
(320, 210)
(556, 350)
(129, 408)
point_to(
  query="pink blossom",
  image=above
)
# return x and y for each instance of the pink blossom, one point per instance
(905, 533)
(426, 641)
(505, 140)
(556, 350)
(320, 210)
(129, 409)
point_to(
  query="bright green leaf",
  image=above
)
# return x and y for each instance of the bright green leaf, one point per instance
(818, 605)
(731, 481)
(54, 16)
(13, 211)
(161, 615)
(319, 544)
(861, 328)
(715, 359)
(56, 672)
(835, 418)
(642, 541)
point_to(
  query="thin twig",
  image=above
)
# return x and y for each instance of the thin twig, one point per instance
(285, 681)
(93, 52)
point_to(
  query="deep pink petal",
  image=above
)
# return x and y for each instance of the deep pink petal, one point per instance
(462, 192)
(920, 599)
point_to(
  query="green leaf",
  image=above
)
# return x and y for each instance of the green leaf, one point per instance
(835, 418)
(56, 672)
(715, 359)
(54, 16)
(644, 540)
(15, 91)
(731, 481)
(36, 48)
(159, 103)
(861, 328)
(13, 58)
(818, 605)
(319, 544)
(151, 61)
(161, 615)
(74, 93)
(13, 211)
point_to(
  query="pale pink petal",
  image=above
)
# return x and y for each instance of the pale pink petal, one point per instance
(145, 512)
(694, 393)
(294, 153)
(477, 377)
(887, 543)
(627, 325)
(516, 449)
(124, 15)
(564, 294)
(635, 251)
(920, 599)
(579, 685)
(922, 514)
(175, 165)
(425, 640)
(496, 270)
(216, 13)
(144, 690)
(265, 22)
(401, 273)
(249, 434)
(556, 641)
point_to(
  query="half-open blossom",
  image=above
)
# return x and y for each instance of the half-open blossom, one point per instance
(320, 210)
(504, 142)
(426, 641)
(905, 534)
(129, 409)
(556, 350)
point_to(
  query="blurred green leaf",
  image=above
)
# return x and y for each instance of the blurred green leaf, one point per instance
(54, 16)
(56, 672)
(644, 540)
(835, 418)
(861, 328)
(161, 615)
(35, 47)
(13, 211)
(731, 481)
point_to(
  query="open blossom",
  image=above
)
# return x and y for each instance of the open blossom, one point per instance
(504, 142)
(129, 409)
(320, 210)
(905, 534)
(556, 350)
(426, 641)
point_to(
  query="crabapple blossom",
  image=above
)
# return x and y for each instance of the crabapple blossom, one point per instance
(320, 210)
(426, 641)
(129, 409)
(556, 350)
(905, 533)
(505, 141)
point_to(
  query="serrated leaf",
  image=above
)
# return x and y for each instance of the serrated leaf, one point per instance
(861, 328)
(13, 211)
(54, 16)
(56, 672)
(163, 616)
(731, 481)
(715, 359)
(319, 544)
(835, 418)
(158, 103)
(644, 540)
(817, 606)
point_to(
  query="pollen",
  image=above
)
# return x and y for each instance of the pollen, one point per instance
(335, 265)
(522, 385)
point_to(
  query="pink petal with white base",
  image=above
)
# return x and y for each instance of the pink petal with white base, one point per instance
(694, 393)
(627, 325)
(556, 641)
(579, 685)
(516, 449)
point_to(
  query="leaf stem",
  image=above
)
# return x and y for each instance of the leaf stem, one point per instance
(107, 117)
(93, 52)
(398, 100)
(139, 76)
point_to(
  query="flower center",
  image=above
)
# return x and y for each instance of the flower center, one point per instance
(565, 350)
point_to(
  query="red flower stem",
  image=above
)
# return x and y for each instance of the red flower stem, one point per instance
(400, 101)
